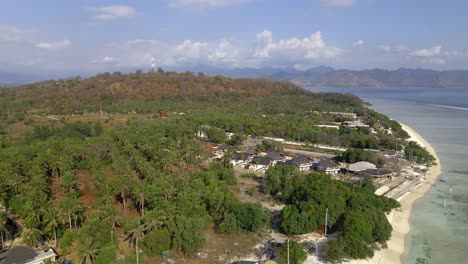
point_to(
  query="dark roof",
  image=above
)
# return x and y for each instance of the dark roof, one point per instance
(274, 155)
(215, 145)
(224, 147)
(327, 163)
(17, 255)
(240, 156)
(262, 160)
(285, 163)
(251, 151)
(300, 160)
(377, 172)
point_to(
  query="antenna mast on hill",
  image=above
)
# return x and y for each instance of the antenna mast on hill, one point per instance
(153, 64)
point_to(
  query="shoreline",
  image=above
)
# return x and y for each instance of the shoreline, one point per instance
(400, 218)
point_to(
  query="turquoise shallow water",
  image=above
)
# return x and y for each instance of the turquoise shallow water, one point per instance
(439, 234)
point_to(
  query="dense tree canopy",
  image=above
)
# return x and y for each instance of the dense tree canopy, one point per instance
(359, 215)
(152, 168)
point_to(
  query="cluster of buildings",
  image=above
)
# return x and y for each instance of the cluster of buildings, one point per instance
(256, 161)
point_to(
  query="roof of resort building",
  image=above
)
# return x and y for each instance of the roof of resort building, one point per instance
(378, 172)
(356, 123)
(300, 160)
(274, 155)
(224, 147)
(240, 156)
(18, 255)
(361, 166)
(328, 163)
(285, 163)
(251, 151)
(262, 161)
(211, 148)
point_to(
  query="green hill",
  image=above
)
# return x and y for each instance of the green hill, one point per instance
(110, 89)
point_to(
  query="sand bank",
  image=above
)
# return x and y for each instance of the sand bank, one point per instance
(400, 218)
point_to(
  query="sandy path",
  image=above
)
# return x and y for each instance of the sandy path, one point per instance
(400, 218)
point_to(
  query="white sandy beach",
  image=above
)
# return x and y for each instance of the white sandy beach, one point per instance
(400, 218)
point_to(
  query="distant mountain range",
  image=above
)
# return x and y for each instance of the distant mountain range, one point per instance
(321, 76)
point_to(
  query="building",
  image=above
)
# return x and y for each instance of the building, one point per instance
(241, 159)
(302, 162)
(213, 151)
(275, 139)
(354, 124)
(345, 114)
(260, 164)
(229, 135)
(328, 126)
(275, 157)
(251, 151)
(378, 173)
(329, 166)
(27, 255)
(202, 131)
(361, 166)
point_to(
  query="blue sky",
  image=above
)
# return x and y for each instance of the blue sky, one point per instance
(96, 36)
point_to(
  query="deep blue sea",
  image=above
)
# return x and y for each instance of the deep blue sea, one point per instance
(438, 234)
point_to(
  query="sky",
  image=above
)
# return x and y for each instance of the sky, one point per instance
(96, 36)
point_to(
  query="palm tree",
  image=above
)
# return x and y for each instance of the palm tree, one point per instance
(106, 194)
(153, 220)
(121, 186)
(17, 181)
(72, 208)
(30, 235)
(140, 195)
(69, 181)
(52, 219)
(112, 218)
(135, 234)
(86, 250)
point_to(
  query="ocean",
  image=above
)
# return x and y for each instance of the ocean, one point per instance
(438, 234)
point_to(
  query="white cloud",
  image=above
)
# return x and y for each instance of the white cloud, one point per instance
(452, 53)
(307, 48)
(358, 43)
(107, 60)
(9, 34)
(189, 50)
(147, 42)
(54, 45)
(113, 12)
(385, 48)
(263, 43)
(224, 52)
(396, 48)
(438, 61)
(434, 51)
(339, 3)
(204, 3)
